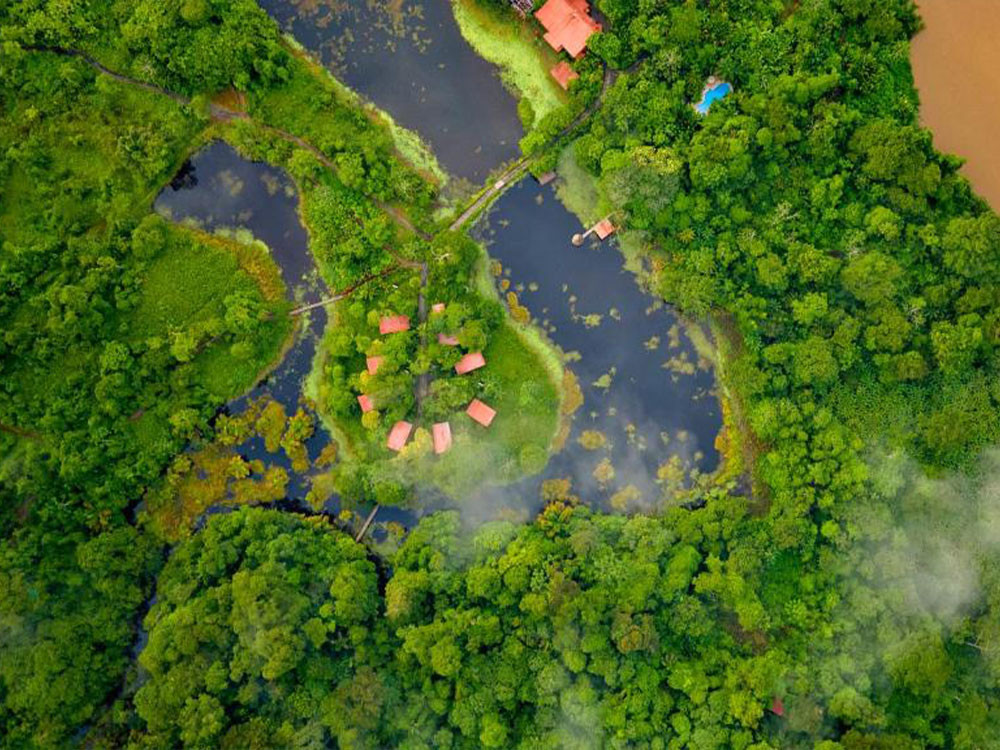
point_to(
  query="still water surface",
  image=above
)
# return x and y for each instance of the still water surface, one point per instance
(643, 389)
(410, 59)
(219, 189)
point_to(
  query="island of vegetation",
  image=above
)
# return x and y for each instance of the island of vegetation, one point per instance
(833, 586)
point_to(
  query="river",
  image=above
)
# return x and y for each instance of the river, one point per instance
(954, 65)
(411, 60)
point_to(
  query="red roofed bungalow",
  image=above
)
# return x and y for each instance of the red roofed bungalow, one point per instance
(563, 73)
(373, 364)
(398, 435)
(481, 412)
(437, 307)
(470, 362)
(394, 324)
(442, 437)
(778, 707)
(568, 25)
(444, 338)
(604, 229)
(365, 402)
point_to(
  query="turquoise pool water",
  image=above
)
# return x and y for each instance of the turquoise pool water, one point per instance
(718, 91)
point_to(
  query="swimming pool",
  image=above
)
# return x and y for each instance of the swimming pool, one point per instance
(718, 91)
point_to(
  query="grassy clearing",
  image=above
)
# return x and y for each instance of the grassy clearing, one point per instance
(523, 57)
(531, 336)
(187, 284)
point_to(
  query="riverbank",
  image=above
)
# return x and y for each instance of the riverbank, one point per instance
(953, 60)
(514, 46)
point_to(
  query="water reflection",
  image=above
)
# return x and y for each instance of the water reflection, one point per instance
(411, 60)
(220, 189)
(650, 413)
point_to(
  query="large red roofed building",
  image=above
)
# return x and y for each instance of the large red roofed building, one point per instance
(442, 437)
(365, 402)
(481, 412)
(398, 435)
(394, 324)
(568, 25)
(470, 362)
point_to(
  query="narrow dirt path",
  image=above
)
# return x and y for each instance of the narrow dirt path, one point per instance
(220, 113)
(423, 382)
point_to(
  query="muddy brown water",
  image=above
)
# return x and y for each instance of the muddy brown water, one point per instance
(955, 59)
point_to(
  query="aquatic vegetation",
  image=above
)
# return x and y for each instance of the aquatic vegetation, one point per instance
(838, 595)
(592, 440)
(625, 498)
(523, 58)
(604, 472)
(604, 382)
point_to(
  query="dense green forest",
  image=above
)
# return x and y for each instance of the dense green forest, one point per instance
(848, 596)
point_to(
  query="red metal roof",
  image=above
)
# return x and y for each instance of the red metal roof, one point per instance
(366, 403)
(568, 25)
(470, 362)
(394, 324)
(481, 412)
(778, 707)
(444, 338)
(563, 73)
(442, 437)
(398, 435)
(373, 364)
(604, 229)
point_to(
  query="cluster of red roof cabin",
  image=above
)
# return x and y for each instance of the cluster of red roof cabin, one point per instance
(441, 431)
(568, 26)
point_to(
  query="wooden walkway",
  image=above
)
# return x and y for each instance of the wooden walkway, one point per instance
(514, 173)
(347, 292)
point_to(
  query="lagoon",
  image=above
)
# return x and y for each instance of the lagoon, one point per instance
(410, 59)
(649, 398)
